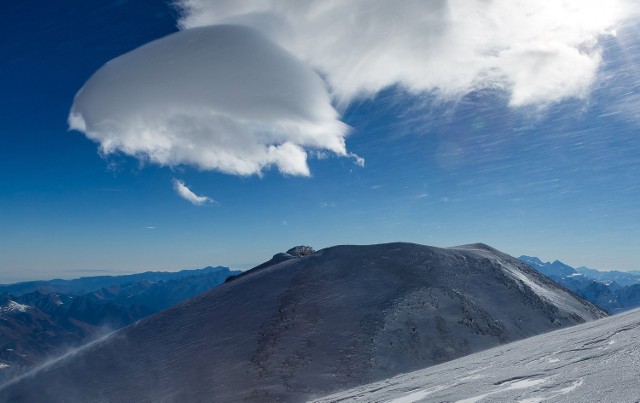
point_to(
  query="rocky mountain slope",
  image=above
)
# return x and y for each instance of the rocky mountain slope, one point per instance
(310, 325)
(592, 362)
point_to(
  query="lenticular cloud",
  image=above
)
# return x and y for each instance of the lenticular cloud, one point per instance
(218, 98)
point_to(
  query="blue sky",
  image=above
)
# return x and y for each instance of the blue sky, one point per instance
(554, 174)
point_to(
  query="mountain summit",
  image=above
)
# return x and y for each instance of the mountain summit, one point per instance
(310, 325)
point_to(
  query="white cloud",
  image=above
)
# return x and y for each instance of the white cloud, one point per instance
(359, 161)
(218, 98)
(249, 85)
(538, 51)
(186, 193)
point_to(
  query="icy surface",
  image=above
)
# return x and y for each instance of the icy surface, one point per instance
(593, 362)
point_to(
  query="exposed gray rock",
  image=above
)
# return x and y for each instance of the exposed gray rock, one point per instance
(301, 250)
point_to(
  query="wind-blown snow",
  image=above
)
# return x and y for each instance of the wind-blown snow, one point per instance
(595, 361)
(417, 396)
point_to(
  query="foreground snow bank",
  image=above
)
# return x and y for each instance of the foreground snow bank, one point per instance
(596, 361)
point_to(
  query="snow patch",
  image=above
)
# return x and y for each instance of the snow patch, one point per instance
(573, 387)
(552, 297)
(521, 384)
(13, 306)
(471, 377)
(419, 395)
(526, 383)
(482, 368)
(474, 399)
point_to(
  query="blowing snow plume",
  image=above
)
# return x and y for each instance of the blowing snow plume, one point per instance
(218, 98)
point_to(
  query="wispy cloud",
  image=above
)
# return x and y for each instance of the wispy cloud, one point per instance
(186, 193)
(538, 52)
(359, 161)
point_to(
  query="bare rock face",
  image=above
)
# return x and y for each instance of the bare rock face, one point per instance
(306, 327)
(299, 251)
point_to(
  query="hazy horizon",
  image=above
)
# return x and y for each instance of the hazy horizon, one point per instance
(69, 274)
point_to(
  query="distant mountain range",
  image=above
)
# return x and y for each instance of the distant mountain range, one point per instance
(614, 291)
(43, 319)
(308, 323)
(85, 285)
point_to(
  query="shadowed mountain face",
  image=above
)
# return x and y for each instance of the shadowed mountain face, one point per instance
(307, 326)
(41, 324)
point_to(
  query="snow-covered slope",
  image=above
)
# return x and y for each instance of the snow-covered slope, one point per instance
(593, 362)
(311, 325)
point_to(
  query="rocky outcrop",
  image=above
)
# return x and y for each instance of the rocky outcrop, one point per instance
(299, 251)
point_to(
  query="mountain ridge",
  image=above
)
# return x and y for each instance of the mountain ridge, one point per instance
(83, 285)
(340, 317)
